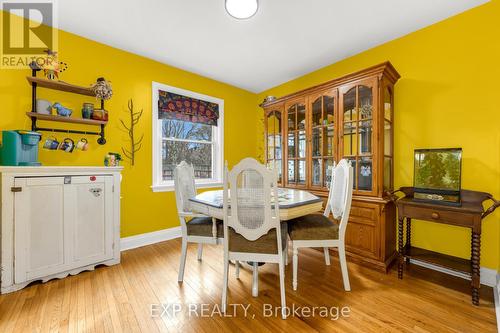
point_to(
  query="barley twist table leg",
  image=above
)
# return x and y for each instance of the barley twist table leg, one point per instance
(400, 247)
(475, 260)
(408, 237)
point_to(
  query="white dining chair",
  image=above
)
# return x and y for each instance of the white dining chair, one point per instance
(317, 230)
(252, 228)
(195, 228)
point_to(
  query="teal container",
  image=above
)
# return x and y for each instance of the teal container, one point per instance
(19, 148)
(87, 110)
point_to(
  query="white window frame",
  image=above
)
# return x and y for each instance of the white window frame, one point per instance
(159, 185)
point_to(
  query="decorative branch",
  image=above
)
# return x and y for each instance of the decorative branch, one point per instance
(135, 145)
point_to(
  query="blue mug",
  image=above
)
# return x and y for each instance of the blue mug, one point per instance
(51, 143)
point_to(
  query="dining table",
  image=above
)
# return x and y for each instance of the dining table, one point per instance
(293, 203)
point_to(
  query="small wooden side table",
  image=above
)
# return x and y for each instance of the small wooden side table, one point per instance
(468, 215)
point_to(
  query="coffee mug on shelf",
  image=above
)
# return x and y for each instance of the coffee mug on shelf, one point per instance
(51, 143)
(83, 144)
(67, 145)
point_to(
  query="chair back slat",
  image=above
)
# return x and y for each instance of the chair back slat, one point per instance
(184, 186)
(248, 190)
(340, 196)
(249, 202)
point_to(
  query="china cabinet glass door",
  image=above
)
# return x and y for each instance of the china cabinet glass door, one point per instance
(295, 136)
(357, 107)
(274, 141)
(323, 138)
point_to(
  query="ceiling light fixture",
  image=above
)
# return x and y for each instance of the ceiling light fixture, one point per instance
(242, 9)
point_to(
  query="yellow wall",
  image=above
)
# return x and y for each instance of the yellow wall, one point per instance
(448, 96)
(131, 76)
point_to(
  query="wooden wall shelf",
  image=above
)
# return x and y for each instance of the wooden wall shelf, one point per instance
(61, 86)
(62, 119)
(37, 116)
(37, 82)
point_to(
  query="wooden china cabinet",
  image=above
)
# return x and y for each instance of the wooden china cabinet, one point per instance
(350, 117)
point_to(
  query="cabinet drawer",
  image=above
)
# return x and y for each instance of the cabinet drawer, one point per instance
(362, 213)
(439, 215)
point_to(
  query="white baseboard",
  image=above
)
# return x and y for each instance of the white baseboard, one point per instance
(488, 275)
(496, 291)
(149, 238)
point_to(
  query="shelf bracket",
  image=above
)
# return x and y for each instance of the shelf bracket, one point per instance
(33, 124)
(34, 68)
(101, 140)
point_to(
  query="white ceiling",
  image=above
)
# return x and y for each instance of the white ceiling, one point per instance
(284, 40)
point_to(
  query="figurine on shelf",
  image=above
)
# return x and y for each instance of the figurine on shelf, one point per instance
(268, 99)
(52, 66)
(102, 89)
(62, 110)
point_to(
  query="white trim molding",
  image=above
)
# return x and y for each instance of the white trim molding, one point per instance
(496, 292)
(132, 242)
(488, 275)
(158, 184)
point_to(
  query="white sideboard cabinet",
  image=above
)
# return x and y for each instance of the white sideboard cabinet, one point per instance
(57, 221)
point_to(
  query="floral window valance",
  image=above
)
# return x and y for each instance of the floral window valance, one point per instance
(179, 107)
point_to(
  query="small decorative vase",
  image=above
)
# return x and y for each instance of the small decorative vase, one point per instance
(87, 110)
(100, 114)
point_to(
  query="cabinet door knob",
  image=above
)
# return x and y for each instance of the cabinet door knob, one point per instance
(435, 215)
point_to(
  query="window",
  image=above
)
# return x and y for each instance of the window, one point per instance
(181, 135)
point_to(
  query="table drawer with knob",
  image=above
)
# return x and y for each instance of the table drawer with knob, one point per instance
(439, 215)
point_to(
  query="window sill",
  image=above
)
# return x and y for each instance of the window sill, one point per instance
(171, 187)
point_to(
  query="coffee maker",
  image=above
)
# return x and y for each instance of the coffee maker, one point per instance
(19, 148)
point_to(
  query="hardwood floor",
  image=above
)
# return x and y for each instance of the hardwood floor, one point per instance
(120, 298)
